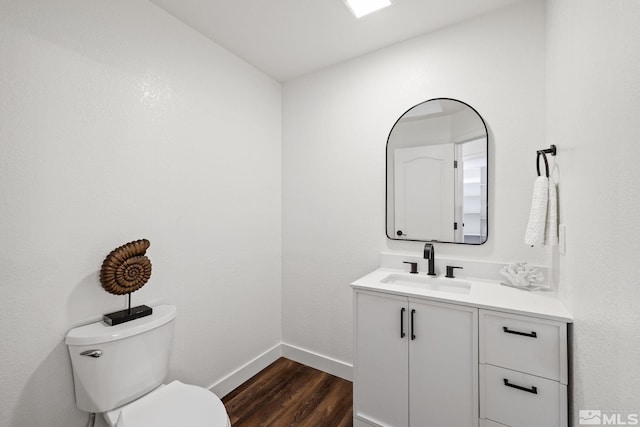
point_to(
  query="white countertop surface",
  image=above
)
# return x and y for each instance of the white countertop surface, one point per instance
(487, 294)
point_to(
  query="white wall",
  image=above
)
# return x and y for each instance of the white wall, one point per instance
(118, 122)
(593, 103)
(335, 126)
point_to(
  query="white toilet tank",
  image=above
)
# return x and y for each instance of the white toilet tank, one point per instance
(122, 362)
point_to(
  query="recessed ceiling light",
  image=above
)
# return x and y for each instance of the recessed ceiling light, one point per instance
(365, 7)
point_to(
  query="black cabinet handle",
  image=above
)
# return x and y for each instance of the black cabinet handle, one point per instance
(533, 389)
(524, 334)
(402, 334)
(413, 335)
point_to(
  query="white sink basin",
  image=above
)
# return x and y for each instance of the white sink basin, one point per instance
(441, 284)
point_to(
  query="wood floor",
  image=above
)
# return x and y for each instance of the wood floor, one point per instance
(286, 394)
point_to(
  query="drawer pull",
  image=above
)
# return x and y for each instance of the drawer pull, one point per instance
(402, 334)
(524, 334)
(533, 389)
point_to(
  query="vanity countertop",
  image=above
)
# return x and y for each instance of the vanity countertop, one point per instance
(488, 294)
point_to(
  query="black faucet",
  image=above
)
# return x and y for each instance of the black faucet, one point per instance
(430, 254)
(414, 266)
(450, 274)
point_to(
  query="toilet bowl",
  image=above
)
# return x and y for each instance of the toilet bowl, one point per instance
(171, 405)
(119, 371)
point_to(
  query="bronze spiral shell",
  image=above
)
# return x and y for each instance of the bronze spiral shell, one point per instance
(126, 269)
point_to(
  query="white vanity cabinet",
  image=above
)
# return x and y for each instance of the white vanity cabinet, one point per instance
(430, 355)
(523, 371)
(416, 362)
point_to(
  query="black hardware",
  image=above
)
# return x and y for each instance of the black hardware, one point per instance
(430, 254)
(533, 389)
(455, 164)
(552, 150)
(400, 233)
(455, 225)
(531, 334)
(414, 266)
(402, 334)
(413, 335)
(450, 271)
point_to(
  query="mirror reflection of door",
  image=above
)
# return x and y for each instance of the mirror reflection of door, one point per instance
(424, 190)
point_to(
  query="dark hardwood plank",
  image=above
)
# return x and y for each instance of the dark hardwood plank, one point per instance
(288, 394)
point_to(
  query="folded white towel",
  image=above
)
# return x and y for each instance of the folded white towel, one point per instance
(552, 215)
(538, 217)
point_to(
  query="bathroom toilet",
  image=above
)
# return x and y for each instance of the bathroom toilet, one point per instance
(175, 404)
(119, 371)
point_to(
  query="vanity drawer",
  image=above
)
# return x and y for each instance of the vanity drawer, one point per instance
(521, 400)
(534, 346)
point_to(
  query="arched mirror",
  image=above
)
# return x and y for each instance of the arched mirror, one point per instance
(437, 158)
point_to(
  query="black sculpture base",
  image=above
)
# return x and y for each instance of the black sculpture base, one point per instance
(127, 315)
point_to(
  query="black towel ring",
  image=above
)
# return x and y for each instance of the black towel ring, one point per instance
(543, 153)
(546, 163)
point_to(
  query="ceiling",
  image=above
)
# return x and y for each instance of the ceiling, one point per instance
(290, 38)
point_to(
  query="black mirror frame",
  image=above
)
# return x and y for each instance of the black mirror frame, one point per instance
(386, 176)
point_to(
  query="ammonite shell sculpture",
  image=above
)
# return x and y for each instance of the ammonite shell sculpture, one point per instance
(126, 269)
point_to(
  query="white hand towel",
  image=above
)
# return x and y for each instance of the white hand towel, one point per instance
(538, 217)
(552, 215)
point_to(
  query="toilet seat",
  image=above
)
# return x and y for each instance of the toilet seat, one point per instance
(175, 404)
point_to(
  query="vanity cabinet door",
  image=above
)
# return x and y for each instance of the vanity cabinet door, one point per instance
(381, 360)
(443, 364)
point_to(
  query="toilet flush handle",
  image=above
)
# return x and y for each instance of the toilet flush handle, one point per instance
(92, 353)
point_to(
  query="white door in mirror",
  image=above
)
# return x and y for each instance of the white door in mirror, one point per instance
(424, 193)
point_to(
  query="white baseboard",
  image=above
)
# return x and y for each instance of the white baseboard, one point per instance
(227, 384)
(318, 361)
